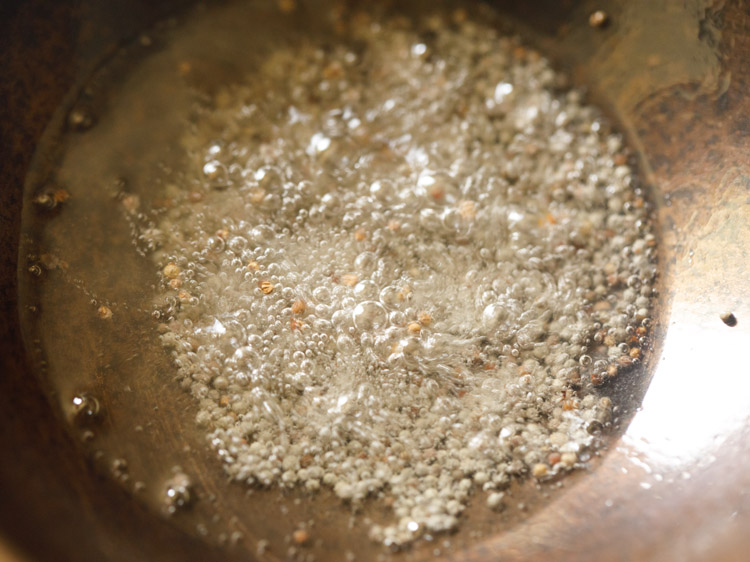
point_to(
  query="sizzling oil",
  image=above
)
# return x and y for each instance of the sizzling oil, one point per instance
(91, 233)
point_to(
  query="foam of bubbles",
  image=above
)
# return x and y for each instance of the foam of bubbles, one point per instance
(401, 261)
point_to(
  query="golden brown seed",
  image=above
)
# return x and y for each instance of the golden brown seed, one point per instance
(404, 293)
(360, 235)
(539, 470)
(467, 209)
(266, 287)
(60, 195)
(569, 459)
(252, 266)
(299, 306)
(333, 71)
(131, 203)
(625, 361)
(104, 312)
(635, 352)
(171, 270)
(175, 283)
(300, 536)
(424, 318)
(349, 279)
(414, 327)
(258, 196)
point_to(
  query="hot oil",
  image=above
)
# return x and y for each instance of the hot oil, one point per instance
(91, 307)
(88, 288)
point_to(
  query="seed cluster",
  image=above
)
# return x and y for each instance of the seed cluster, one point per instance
(397, 266)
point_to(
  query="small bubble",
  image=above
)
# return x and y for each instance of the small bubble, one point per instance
(368, 315)
(598, 19)
(81, 119)
(493, 315)
(177, 493)
(216, 174)
(85, 408)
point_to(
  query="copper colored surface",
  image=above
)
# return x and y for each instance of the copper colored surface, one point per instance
(675, 486)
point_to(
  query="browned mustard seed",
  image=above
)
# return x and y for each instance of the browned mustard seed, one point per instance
(266, 287)
(349, 279)
(333, 71)
(104, 312)
(258, 196)
(299, 306)
(539, 470)
(414, 327)
(467, 209)
(424, 318)
(569, 459)
(171, 270)
(729, 319)
(60, 195)
(404, 293)
(300, 536)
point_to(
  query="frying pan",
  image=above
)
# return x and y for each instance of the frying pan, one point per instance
(674, 485)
